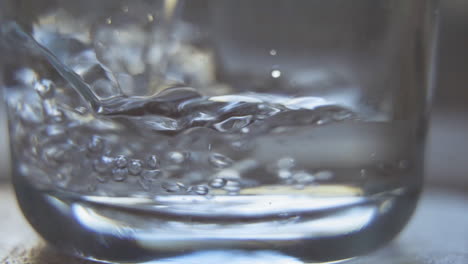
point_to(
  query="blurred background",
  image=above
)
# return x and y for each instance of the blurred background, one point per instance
(448, 134)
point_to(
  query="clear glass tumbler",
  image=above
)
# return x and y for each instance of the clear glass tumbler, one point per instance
(150, 129)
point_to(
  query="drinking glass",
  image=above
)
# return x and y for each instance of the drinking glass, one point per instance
(152, 129)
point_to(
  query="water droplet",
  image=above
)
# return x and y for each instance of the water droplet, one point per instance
(152, 161)
(286, 163)
(150, 17)
(150, 175)
(324, 175)
(176, 157)
(273, 52)
(173, 186)
(135, 167)
(275, 74)
(45, 88)
(200, 189)
(103, 164)
(218, 182)
(119, 174)
(303, 177)
(121, 161)
(220, 161)
(108, 21)
(233, 124)
(96, 144)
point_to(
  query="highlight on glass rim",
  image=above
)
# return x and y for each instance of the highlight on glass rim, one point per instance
(150, 130)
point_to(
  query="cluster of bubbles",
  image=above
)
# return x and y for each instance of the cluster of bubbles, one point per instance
(72, 148)
(150, 175)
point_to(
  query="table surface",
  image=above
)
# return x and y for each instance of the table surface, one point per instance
(437, 234)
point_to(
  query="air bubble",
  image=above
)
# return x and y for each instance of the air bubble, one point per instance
(232, 187)
(121, 161)
(233, 124)
(119, 174)
(152, 161)
(303, 177)
(220, 161)
(103, 164)
(45, 88)
(200, 189)
(135, 167)
(176, 157)
(284, 174)
(96, 144)
(218, 183)
(228, 174)
(150, 175)
(323, 175)
(286, 163)
(55, 154)
(173, 186)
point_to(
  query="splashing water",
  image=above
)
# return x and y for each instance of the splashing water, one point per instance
(249, 162)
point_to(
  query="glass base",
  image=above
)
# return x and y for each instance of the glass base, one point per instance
(301, 228)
